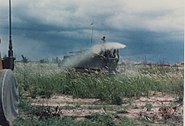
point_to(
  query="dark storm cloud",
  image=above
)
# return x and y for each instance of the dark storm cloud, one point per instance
(49, 29)
(139, 42)
(153, 45)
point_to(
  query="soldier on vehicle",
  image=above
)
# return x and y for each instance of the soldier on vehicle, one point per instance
(103, 39)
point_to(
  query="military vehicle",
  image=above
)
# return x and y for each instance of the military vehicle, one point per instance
(9, 98)
(103, 56)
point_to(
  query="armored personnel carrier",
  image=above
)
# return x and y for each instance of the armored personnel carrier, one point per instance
(103, 56)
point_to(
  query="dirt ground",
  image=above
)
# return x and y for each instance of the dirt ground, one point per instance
(155, 108)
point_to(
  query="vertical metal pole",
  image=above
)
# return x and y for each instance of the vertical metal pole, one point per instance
(10, 51)
(92, 33)
(92, 36)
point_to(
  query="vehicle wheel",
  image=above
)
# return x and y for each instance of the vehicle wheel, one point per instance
(9, 98)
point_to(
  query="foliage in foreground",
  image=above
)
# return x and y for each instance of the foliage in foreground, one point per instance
(37, 116)
(39, 80)
(94, 120)
(44, 115)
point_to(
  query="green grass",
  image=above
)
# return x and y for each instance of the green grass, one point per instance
(45, 81)
(94, 120)
(102, 86)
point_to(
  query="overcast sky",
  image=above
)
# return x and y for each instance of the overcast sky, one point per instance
(50, 28)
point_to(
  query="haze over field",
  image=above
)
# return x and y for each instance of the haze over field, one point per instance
(46, 28)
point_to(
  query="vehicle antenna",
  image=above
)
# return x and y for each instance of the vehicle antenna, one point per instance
(92, 31)
(10, 51)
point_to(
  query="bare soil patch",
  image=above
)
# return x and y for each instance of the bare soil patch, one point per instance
(155, 108)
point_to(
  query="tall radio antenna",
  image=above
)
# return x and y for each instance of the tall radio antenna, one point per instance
(8, 62)
(10, 51)
(92, 31)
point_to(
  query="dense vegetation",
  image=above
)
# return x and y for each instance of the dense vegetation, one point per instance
(46, 80)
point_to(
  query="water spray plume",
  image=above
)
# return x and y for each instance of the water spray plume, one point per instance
(75, 59)
(106, 46)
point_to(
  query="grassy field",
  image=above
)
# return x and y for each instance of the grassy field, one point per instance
(44, 81)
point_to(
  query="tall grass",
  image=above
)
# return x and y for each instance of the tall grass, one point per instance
(45, 81)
